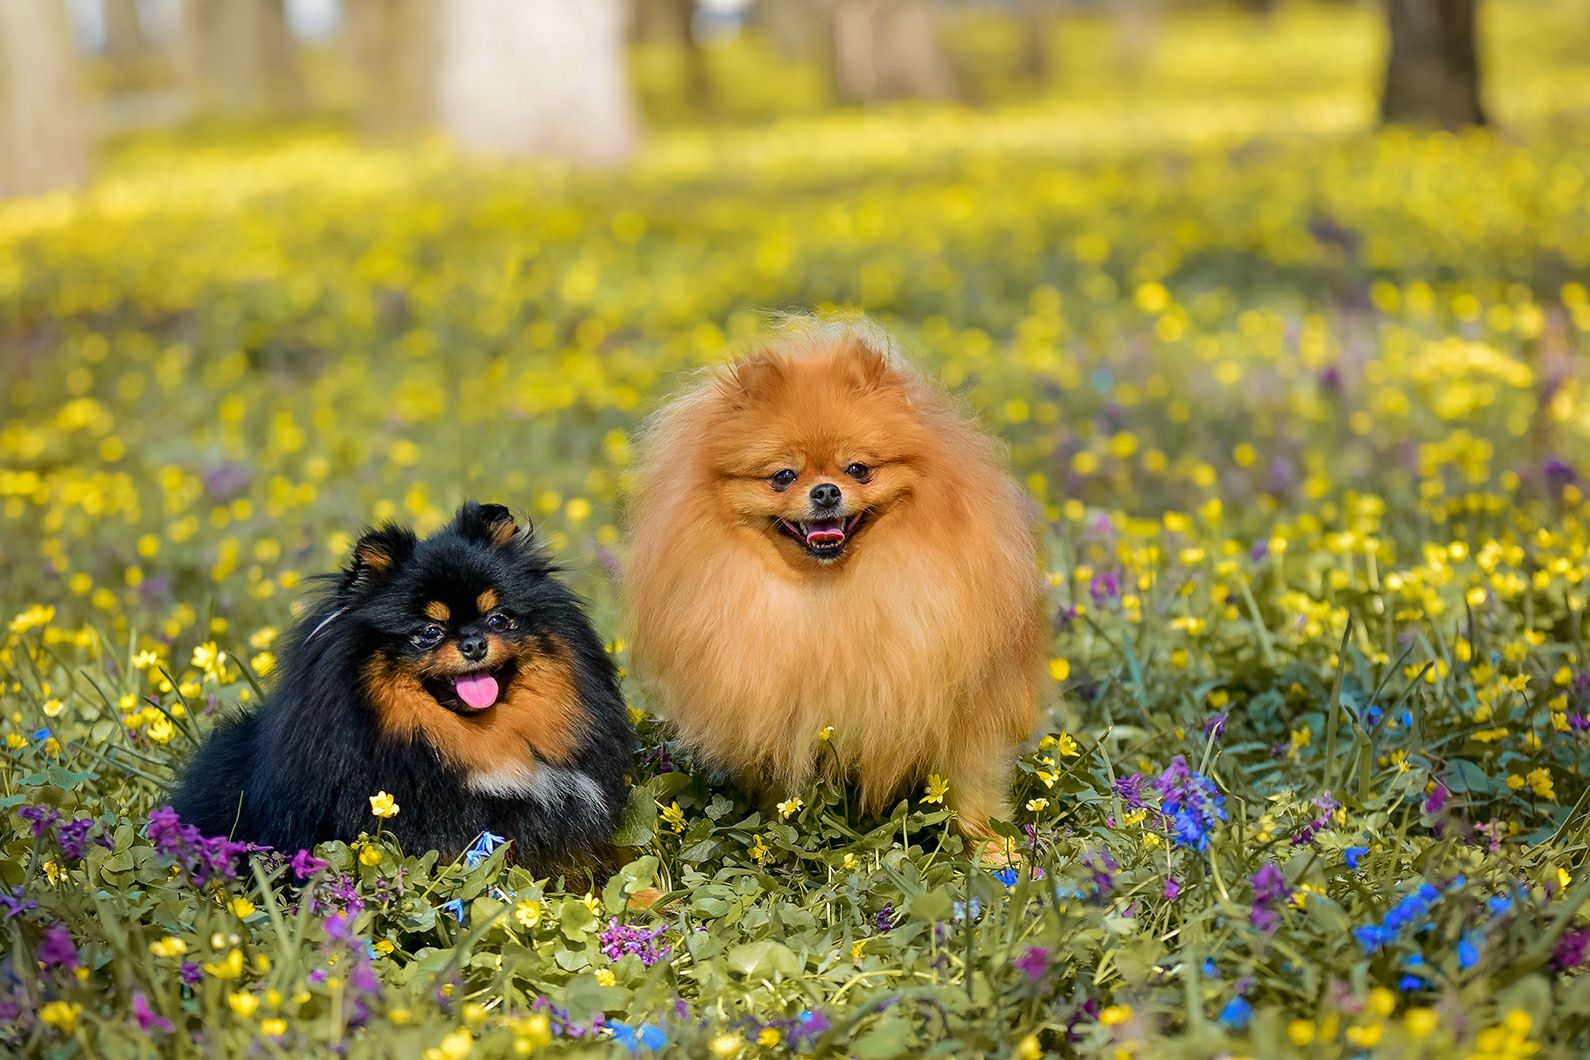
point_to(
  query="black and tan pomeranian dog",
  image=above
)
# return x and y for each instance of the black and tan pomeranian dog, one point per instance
(455, 673)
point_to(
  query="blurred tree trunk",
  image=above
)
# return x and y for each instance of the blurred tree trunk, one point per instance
(240, 55)
(393, 46)
(43, 124)
(889, 48)
(1432, 66)
(536, 77)
(1037, 23)
(671, 23)
(125, 41)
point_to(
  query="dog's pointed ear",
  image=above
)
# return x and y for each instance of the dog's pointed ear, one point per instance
(754, 378)
(866, 365)
(489, 524)
(377, 554)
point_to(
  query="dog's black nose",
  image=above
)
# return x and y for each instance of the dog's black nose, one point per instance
(826, 495)
(473, 647)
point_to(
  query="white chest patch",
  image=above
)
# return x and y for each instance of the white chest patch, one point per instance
(542, 782)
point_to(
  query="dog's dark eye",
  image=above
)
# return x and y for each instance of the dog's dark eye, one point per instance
(782, 479)
(498, 622)
(429, 636)
(859, 472)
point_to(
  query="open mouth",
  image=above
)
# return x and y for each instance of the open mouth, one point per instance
(823, 539)
(469, 693)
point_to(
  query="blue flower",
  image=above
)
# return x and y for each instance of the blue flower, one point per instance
(1499, 904)
(42, 735)
(1209, 966)
(1353, 855)
(1237, 1013)
(456, 907)
(647, 1036)
(1468, 954)
(1006, 876)
(484, 845)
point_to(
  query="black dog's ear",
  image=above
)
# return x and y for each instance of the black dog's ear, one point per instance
(489, 524)
(377, 554)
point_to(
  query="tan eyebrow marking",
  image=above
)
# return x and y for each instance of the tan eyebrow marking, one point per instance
(487, 600)
(438, 611)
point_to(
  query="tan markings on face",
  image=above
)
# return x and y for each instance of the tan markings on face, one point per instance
(437, 611)
(486, 601)
(538, 712)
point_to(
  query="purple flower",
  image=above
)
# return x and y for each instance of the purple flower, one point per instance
(339, 927)
(57, 950)
(43, 818)
(1033, 963)
(1571, 950)
(74, 837)
(1435, 802)
(14, 904)
(1172, 889)
(1192, 802)
(1269, 886)
(305, 865)
(191, 973)
(618, 940)
(885, 919)
(1104, 587)
(1216, 725)
(1130, 789)
(148, 1019)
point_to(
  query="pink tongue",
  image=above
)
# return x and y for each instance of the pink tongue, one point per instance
(478, 690)
(825, 532)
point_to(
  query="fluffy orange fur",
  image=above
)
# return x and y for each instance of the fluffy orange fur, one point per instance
(920, 644)
(539, 709)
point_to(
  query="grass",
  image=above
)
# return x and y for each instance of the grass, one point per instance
(1302, 412)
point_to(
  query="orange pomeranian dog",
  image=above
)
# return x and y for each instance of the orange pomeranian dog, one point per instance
(820, 538)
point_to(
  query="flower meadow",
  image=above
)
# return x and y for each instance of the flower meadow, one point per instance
(1301, 408)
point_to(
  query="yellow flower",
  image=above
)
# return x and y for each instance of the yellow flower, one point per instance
(62, 1015)
(826, 733)
(473, 1013)
(1115, 1015)
(170, 946)
(370, 855)
(605, 977)
(454, 1046)
(726, 1045)
(1037, 805)
(241, 907)
(1420, 1022)
(228, 967)
(53, 707)
(769, 1037)
(1382, 1002)
(849, 861)
(856, 949)
(383, 805)
(242, 1003)
(1540, 784)
(34, 617)
(263, 663)
(1059, 669)
(527, 912)
(144, 660)
(274, 1027)
(937, 788)
(532, 1033)
(759, 851)
(1028, 1048)
(160, 730)
(790, 807)
(673, 816)
(385, 947)
(1300, 1032)
(1365, 1036)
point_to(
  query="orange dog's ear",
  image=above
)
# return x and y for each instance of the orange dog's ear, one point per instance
(866, 366)
(754, 378)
